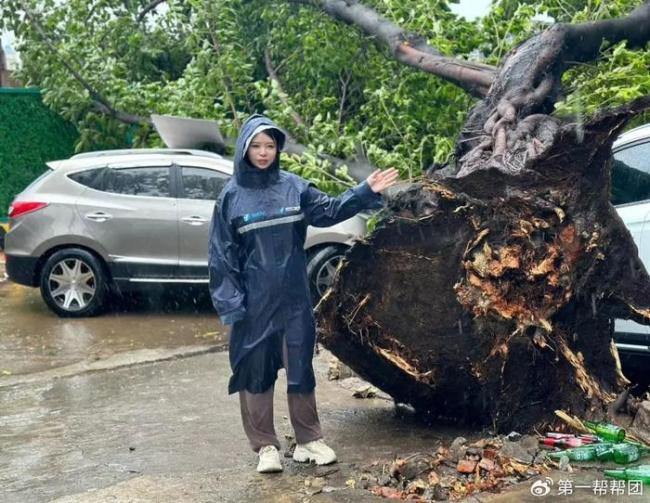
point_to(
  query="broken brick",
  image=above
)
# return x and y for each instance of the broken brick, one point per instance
(466, 466)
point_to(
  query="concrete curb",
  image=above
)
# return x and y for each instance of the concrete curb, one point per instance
(119, 360)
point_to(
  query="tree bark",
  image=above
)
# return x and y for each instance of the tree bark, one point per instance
(147, 9)
(409, 48)
(487, 293)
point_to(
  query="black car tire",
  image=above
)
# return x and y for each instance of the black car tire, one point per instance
(321, 267)
(2, 238)
(82, 283)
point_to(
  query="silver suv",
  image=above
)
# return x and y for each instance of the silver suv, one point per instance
(116, 220)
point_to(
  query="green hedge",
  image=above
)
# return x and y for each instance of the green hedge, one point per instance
(30, 135)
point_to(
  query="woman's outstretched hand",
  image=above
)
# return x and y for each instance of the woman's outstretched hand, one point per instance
(380, 180)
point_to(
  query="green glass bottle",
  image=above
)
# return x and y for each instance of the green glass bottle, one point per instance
(641, 473)
(606, 431)
(604, 451)
(585, 453)
(627, 452)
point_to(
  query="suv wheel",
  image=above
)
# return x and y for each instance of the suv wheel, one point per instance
(73, 283)
(321, 269)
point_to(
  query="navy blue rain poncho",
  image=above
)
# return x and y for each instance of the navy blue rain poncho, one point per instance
(258, 274)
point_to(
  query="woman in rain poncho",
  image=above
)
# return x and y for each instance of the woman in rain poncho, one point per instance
(259, 285)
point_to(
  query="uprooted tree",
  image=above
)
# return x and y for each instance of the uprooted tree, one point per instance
(488, 293)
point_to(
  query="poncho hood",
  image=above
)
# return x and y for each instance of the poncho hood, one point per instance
(246, 174)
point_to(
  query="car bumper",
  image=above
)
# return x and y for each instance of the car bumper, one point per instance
(22, 270)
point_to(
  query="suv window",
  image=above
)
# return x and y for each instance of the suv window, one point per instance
(147, 181)
(202, 183)
(90, 178)
(631, 174)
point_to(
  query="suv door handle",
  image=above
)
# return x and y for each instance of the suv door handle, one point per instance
(98, 216)
(195, 220)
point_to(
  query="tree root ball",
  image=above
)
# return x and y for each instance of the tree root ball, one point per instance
(488, 298)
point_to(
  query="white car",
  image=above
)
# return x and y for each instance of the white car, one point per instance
(631, 197)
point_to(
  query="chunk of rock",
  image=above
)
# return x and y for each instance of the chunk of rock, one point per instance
(642, 418)
(473, 454)
(457, 449)
(523, 450)
(314, 485)
(338, 370)
(362, 389)
(411, 467)
(466, 466)
(487, 464)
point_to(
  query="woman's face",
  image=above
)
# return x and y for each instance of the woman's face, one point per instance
(262, 151)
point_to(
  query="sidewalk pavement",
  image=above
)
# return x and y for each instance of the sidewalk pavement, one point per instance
(167, 432)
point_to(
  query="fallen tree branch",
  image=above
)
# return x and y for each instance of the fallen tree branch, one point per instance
(100, 102)
(148, 8)
(345, 82)
(409, 48)
(529, 83)
(584, 39)
(281, 94)
(125, 117)
(226, 81)
(358, 170)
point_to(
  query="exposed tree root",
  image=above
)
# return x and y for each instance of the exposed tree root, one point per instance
(487, 297)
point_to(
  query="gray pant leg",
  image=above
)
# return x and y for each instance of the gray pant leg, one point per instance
(257, 418)
(304, 417)
(302, 411)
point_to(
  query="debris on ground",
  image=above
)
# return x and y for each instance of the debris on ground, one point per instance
(338, 370)
(367, 391)
(491, 464)
(526, 449)
(291, 446)
(314, 485)
(642, 418)
(362, 389)
(454, 472)
(457, 449)
(606, 442)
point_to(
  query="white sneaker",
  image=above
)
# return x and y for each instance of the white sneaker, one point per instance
(269, 460)
(317, 451)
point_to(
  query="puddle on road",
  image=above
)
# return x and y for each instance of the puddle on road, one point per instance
(32, 338)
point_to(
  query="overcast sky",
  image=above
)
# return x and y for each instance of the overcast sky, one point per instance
(7, 38)
(471, 8)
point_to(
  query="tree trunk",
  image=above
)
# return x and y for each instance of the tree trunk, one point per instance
(487, 294)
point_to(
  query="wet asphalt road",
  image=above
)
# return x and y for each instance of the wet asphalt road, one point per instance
(132, 407)
(33, 339)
